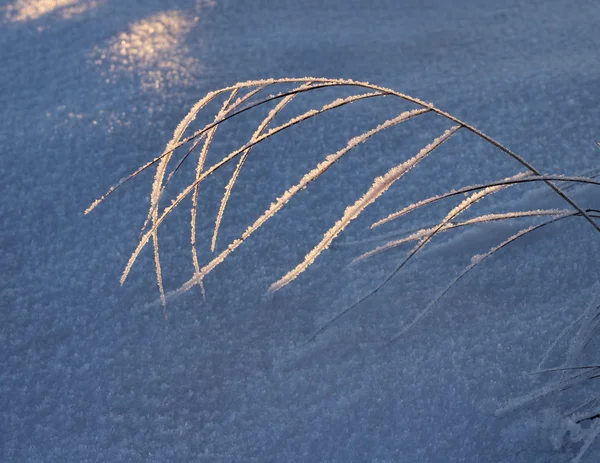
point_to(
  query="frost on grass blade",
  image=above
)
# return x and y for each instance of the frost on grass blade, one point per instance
(226, 108)
(421, 233)
(412, 207)
(308, 178)
(158, 180)
(262, 126)
(380, 185)
(145, 238)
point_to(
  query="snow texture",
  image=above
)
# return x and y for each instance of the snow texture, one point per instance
(92, 371)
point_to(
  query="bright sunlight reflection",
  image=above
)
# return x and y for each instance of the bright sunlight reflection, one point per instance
(28, 10)
(153, 49)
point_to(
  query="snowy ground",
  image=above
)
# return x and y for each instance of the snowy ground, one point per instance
(89, 371)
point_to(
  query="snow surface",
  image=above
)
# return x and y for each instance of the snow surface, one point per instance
(90, 371)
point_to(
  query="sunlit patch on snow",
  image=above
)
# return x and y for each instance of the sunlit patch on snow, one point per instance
(153, 49)
(28, 10)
